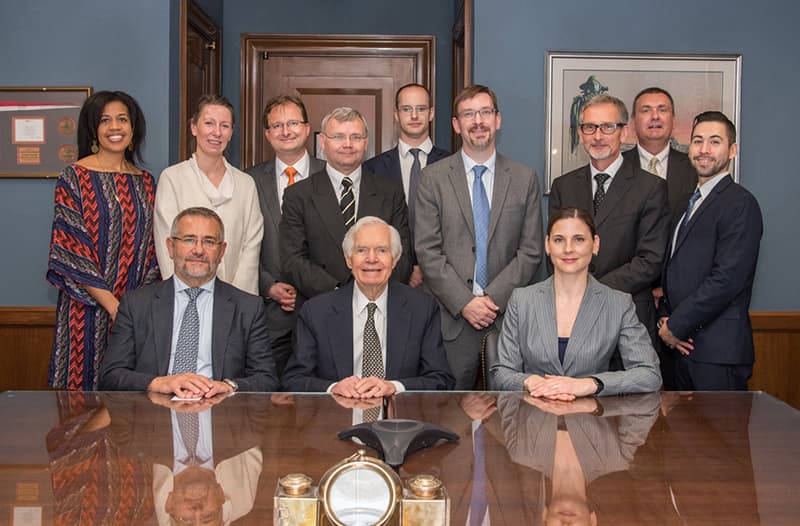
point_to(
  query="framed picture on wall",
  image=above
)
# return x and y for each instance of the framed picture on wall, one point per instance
(697, 83)
(39, 130)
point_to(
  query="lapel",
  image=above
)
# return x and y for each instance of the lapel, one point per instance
(707, 202)
(327, 205)
(395, 171)
(222, 318)
(370, 201)
(270, 185)
(397, 328)
(583, 330)
(458, 180)
(620, 184)
(502, 180)
(161, 314)
(585, 199)
(339, 325)
(544, 309)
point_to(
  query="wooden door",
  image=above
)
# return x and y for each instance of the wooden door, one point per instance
(328, 71)
(200, 57)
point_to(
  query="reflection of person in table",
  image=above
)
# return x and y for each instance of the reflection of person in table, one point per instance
(559, 335)
(102, 239)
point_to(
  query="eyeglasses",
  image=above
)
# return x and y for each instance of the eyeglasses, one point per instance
(483, 112)
(341, 137)
(411, 109)
(292, 125)
(607, 128)
(191, 242)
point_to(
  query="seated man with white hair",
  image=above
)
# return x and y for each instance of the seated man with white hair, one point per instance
(394, 342)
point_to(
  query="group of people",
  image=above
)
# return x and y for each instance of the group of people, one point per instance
(368, 278)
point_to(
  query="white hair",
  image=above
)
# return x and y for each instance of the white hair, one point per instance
(350, 236)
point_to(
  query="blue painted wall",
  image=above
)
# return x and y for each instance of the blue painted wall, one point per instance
(379, 17)
(106, 45)
(512, 36)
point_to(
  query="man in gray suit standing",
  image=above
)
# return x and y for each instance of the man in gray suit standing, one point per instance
(286, 129)
(628, 204)
(478, 231)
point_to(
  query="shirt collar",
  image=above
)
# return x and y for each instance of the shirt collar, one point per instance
(360, 301)
(646, 156)
(181, 286)
(709, 185)
(612, 169)
(426, 147)
(336, 177)
(469, 163)
(301, 166)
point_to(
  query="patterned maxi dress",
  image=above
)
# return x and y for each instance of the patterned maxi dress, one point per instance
(102, 237)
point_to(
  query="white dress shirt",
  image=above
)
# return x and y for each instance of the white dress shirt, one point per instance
(488, 185)
(205, 311)
(407, 159)
(302, 167)
(337, 177)
(612, 170)
(662, 156)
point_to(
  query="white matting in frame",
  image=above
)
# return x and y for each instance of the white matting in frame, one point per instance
(697, 83)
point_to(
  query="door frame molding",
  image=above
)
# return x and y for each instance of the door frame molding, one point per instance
(254, 47)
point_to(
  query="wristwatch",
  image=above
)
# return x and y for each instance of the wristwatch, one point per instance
(599, 384)
(233, 384)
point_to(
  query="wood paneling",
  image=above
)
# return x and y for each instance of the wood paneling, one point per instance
(26, 337)
(777, 368)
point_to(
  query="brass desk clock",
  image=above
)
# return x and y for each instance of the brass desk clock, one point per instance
(361, 491)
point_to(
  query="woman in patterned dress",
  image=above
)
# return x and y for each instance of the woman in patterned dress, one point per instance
(102, 239)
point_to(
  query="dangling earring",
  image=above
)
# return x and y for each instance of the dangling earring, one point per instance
(130, 146)
(94, 148)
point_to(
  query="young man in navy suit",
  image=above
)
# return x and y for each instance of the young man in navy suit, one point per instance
(708, 276)
(413, 113)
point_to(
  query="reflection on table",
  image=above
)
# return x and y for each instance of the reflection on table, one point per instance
(663, 458)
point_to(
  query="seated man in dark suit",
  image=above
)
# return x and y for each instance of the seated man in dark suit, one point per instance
(373, 338)
(192, 335)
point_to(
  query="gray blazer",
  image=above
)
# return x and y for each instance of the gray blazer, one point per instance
(606, 321)
(445, 234)
(269, 270)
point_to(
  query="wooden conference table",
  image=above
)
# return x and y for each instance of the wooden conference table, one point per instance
(664, 458)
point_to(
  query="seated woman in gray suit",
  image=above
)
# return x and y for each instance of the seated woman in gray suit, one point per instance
(558, 335)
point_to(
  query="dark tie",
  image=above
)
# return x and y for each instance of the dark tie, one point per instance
(188, 337)
(371, 358)
(413, 181)
(291, 172)
(688, 214)
(189, 425)
(480, 216)
(600, 193)
(348, 202)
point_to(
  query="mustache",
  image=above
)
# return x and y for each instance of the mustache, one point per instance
(479, 126)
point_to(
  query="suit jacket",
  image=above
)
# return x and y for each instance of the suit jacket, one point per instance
(681, 181)
(708, 280)
(312, 230)
(633, 225)
(269, 270)
(445, 234)
(140, 342)
(323, 351)
(388, 162)
(606, 321)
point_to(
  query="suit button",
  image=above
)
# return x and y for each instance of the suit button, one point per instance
(473, 250)
(469, 282)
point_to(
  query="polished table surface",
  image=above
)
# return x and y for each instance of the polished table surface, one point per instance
(664, 458)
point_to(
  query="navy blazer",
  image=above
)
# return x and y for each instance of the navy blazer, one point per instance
(388, 162)
(708, 280)
(139, 347)
(323, 350)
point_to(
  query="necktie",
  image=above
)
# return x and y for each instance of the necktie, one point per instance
(290, 173)
(371, 358)
(413, 181)
(188, 337)
(652, 167)
(687, 215)
(348, 202)
(477, 503)
(600, 193)
(480, 216)
(189, 425)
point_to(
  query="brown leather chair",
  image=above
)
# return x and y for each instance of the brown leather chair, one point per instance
(488, 358)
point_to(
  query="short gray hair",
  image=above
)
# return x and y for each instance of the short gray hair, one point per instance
(605, 98)
(345, 114)
(350, 237)
(198, 211)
